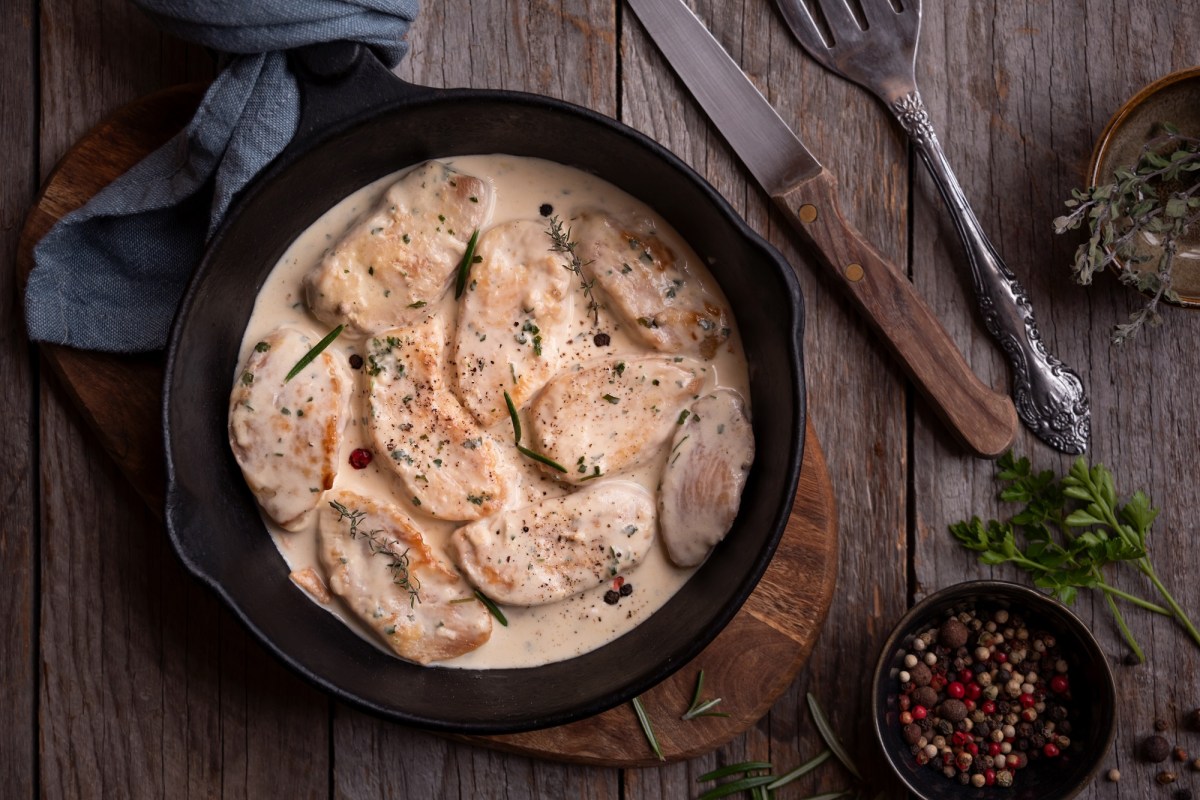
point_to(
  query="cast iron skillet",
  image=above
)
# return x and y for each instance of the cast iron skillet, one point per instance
(359, 123)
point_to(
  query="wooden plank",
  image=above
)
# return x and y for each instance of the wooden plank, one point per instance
(857, 397)
(1020, 92)
(149, 689)
(18, 497)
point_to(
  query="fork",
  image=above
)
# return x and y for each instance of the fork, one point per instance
(1049, 396)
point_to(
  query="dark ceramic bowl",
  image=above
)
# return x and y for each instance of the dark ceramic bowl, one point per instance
(1174, 98)
(1092, 707)
(360, 123)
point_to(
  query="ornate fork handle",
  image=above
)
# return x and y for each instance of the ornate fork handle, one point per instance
(1048, 395)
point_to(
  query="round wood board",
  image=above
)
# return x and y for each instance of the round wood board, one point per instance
(748, 665)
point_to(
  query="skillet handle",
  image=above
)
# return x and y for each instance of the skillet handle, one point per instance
(340, 83)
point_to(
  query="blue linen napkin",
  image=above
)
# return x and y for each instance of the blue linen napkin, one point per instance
(110, 275)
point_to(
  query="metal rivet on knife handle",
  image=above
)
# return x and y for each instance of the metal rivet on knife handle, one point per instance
(854, 272)
(808, 213)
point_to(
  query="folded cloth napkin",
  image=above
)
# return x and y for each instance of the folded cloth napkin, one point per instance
(110, 275)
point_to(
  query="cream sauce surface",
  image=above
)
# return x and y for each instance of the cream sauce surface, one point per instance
(522, 188)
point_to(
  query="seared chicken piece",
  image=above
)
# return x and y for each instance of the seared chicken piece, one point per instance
(648, 288)
(559, 547)
(404, 254)
(308, 580)
(602, 419)
(285, 434)
(379, 564)
(444, 460)
(705, 473)
(512, 320)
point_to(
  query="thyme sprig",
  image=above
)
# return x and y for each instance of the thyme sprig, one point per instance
(378, 545)
(1068, 532)
(1153, 201)
(561, 242)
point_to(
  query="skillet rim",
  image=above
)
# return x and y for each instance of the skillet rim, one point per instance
(312, 139)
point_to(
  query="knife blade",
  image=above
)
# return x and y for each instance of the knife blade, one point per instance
(806, 192)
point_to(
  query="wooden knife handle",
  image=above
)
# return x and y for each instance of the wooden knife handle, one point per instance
(985, 420)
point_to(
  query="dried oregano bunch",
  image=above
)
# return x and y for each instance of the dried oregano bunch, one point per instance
(1154, 201)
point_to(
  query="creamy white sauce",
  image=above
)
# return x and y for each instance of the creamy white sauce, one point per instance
(535, 635)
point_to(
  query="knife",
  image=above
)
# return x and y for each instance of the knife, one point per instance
(985, 420)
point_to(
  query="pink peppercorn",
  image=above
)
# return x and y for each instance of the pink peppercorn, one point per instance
(973, 691)
(989, 707)
(1000, 657)
(1059, 684)
(1051, 750)
(919, 712)
(1027, 701)
(956, 690)
(989, 777)
(360, 458)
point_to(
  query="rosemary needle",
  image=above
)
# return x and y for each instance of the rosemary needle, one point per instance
(734, 787)
(646, 729)
(492, 608)
(549, 462)
(803, 769)
(702, 708)
(516, 421)
(823, 728)
(733, 769)
(307, 358)
(464, 266)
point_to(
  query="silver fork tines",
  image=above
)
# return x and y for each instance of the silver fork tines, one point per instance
(1049, 397)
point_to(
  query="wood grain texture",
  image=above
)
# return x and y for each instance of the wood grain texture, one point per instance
(148, 689)
(1018, 89)
(18, 454)
(1019, 93)
(857, 396)
(983, 419)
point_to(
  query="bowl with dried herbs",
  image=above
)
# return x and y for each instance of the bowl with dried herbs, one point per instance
(1141, 208)
(989, 689)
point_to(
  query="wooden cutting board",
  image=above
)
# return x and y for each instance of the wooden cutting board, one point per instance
(748, 665)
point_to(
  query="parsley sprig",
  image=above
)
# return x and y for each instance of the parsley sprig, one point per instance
(1068, 532)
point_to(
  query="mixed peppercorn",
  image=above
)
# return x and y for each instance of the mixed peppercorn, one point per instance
(981, 696)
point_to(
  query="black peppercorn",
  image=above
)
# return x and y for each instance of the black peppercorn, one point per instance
(1155, 749)
(602, 339)
(611, 597)
(546, 209)
(626, 589)
(356, 361)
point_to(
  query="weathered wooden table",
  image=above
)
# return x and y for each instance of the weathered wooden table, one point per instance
(119, 676)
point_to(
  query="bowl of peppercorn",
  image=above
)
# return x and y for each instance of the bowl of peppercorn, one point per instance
(990, 689)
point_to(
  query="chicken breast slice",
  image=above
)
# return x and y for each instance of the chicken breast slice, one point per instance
(379, 564)
(446, 463)
(404, 254)
(703, 479)
(513, 320)
(648, 287)
(286, 434)
(599, 420)
(559, 547)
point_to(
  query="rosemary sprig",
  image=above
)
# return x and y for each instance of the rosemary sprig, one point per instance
(561, 242)
(536, 456)
(315, 351)
(1153, 201)
(1067, 533)
(379, 545)
(492, 608)
(644, 721)
(464, 266)
(702, 708)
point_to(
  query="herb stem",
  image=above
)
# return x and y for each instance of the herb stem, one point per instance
(1137, 601)
(1126, 634)
(314, 351)
(1180, 615)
